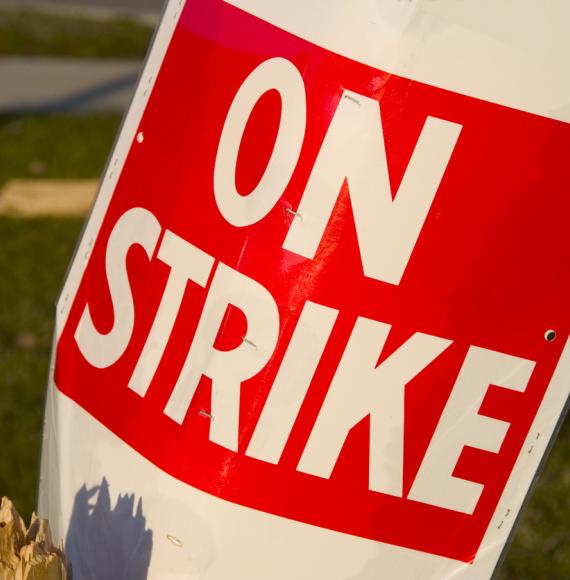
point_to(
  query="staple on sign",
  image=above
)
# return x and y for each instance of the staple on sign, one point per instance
(530, 450)
(247, 341)
(353, 99)
(174, 540)
(205, 414)
(293, 212)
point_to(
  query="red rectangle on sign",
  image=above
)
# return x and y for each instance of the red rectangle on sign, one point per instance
(487, 278)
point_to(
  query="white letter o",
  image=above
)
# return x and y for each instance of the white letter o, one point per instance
(274, 74)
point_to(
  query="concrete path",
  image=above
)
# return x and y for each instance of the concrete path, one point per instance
(61, 85)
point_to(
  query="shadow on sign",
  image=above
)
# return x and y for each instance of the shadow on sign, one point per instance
(107, 543)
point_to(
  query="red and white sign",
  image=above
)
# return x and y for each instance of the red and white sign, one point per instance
(324, 291)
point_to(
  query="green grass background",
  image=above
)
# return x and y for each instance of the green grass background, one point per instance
(28, 33)
(35, 253)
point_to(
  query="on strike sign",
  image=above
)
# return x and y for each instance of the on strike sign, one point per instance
(327, 292)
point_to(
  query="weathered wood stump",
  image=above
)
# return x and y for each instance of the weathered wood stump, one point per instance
(28, 554)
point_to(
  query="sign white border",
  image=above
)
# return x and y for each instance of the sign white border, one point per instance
(510, 52)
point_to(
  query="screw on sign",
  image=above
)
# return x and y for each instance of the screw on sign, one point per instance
(321, 308)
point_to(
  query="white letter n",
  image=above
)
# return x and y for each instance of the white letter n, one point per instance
(353, 150)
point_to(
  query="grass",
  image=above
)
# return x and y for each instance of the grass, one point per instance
(33, 258)
(55, 146)
(29, 33)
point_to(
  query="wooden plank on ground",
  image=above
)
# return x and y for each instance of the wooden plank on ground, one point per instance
(47, 197)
